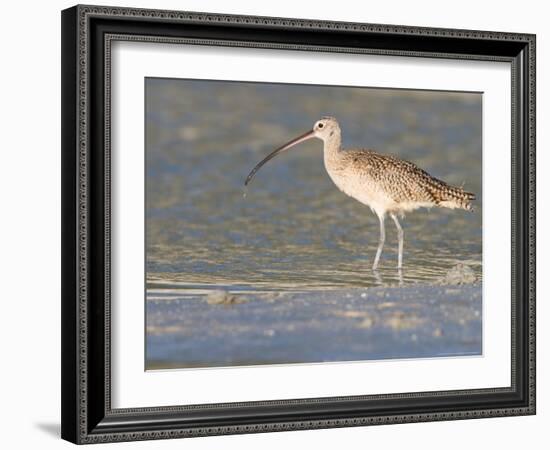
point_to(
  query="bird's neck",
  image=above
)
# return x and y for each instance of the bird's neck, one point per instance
(333, 145)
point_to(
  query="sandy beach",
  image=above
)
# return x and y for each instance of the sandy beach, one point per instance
(224, 328)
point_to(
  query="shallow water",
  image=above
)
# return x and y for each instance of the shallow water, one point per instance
(294, 229)
(191, 331)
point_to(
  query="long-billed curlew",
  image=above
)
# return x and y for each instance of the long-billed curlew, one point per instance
(385, 183)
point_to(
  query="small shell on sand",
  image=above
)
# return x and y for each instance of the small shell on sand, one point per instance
(459, 274)
(221, 297)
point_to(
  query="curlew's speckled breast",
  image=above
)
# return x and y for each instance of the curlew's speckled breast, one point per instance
(389, 184)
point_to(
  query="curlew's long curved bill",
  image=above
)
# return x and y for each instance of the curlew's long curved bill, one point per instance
(292, 143)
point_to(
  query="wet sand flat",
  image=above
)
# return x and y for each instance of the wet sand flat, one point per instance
(231, 328)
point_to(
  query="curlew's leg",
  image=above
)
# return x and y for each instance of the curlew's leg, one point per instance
(381, 243)
(400, 241)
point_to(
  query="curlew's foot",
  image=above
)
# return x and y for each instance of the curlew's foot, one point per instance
(400, 276)
(378, 277)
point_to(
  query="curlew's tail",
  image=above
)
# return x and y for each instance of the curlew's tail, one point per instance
(455, 197)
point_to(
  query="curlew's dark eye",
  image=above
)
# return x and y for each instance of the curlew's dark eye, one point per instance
(320, 125)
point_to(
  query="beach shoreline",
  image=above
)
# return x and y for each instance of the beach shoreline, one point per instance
(225, 328)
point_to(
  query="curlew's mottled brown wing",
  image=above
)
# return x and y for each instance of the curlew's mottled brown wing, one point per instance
(404, 181)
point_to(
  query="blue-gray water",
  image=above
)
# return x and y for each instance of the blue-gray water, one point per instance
(294, 231)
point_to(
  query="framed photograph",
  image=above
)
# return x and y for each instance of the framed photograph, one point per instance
(279, 224)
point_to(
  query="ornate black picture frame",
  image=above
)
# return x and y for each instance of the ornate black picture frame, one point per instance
(87, 34)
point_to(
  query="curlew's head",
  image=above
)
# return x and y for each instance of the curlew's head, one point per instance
(324, 129)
